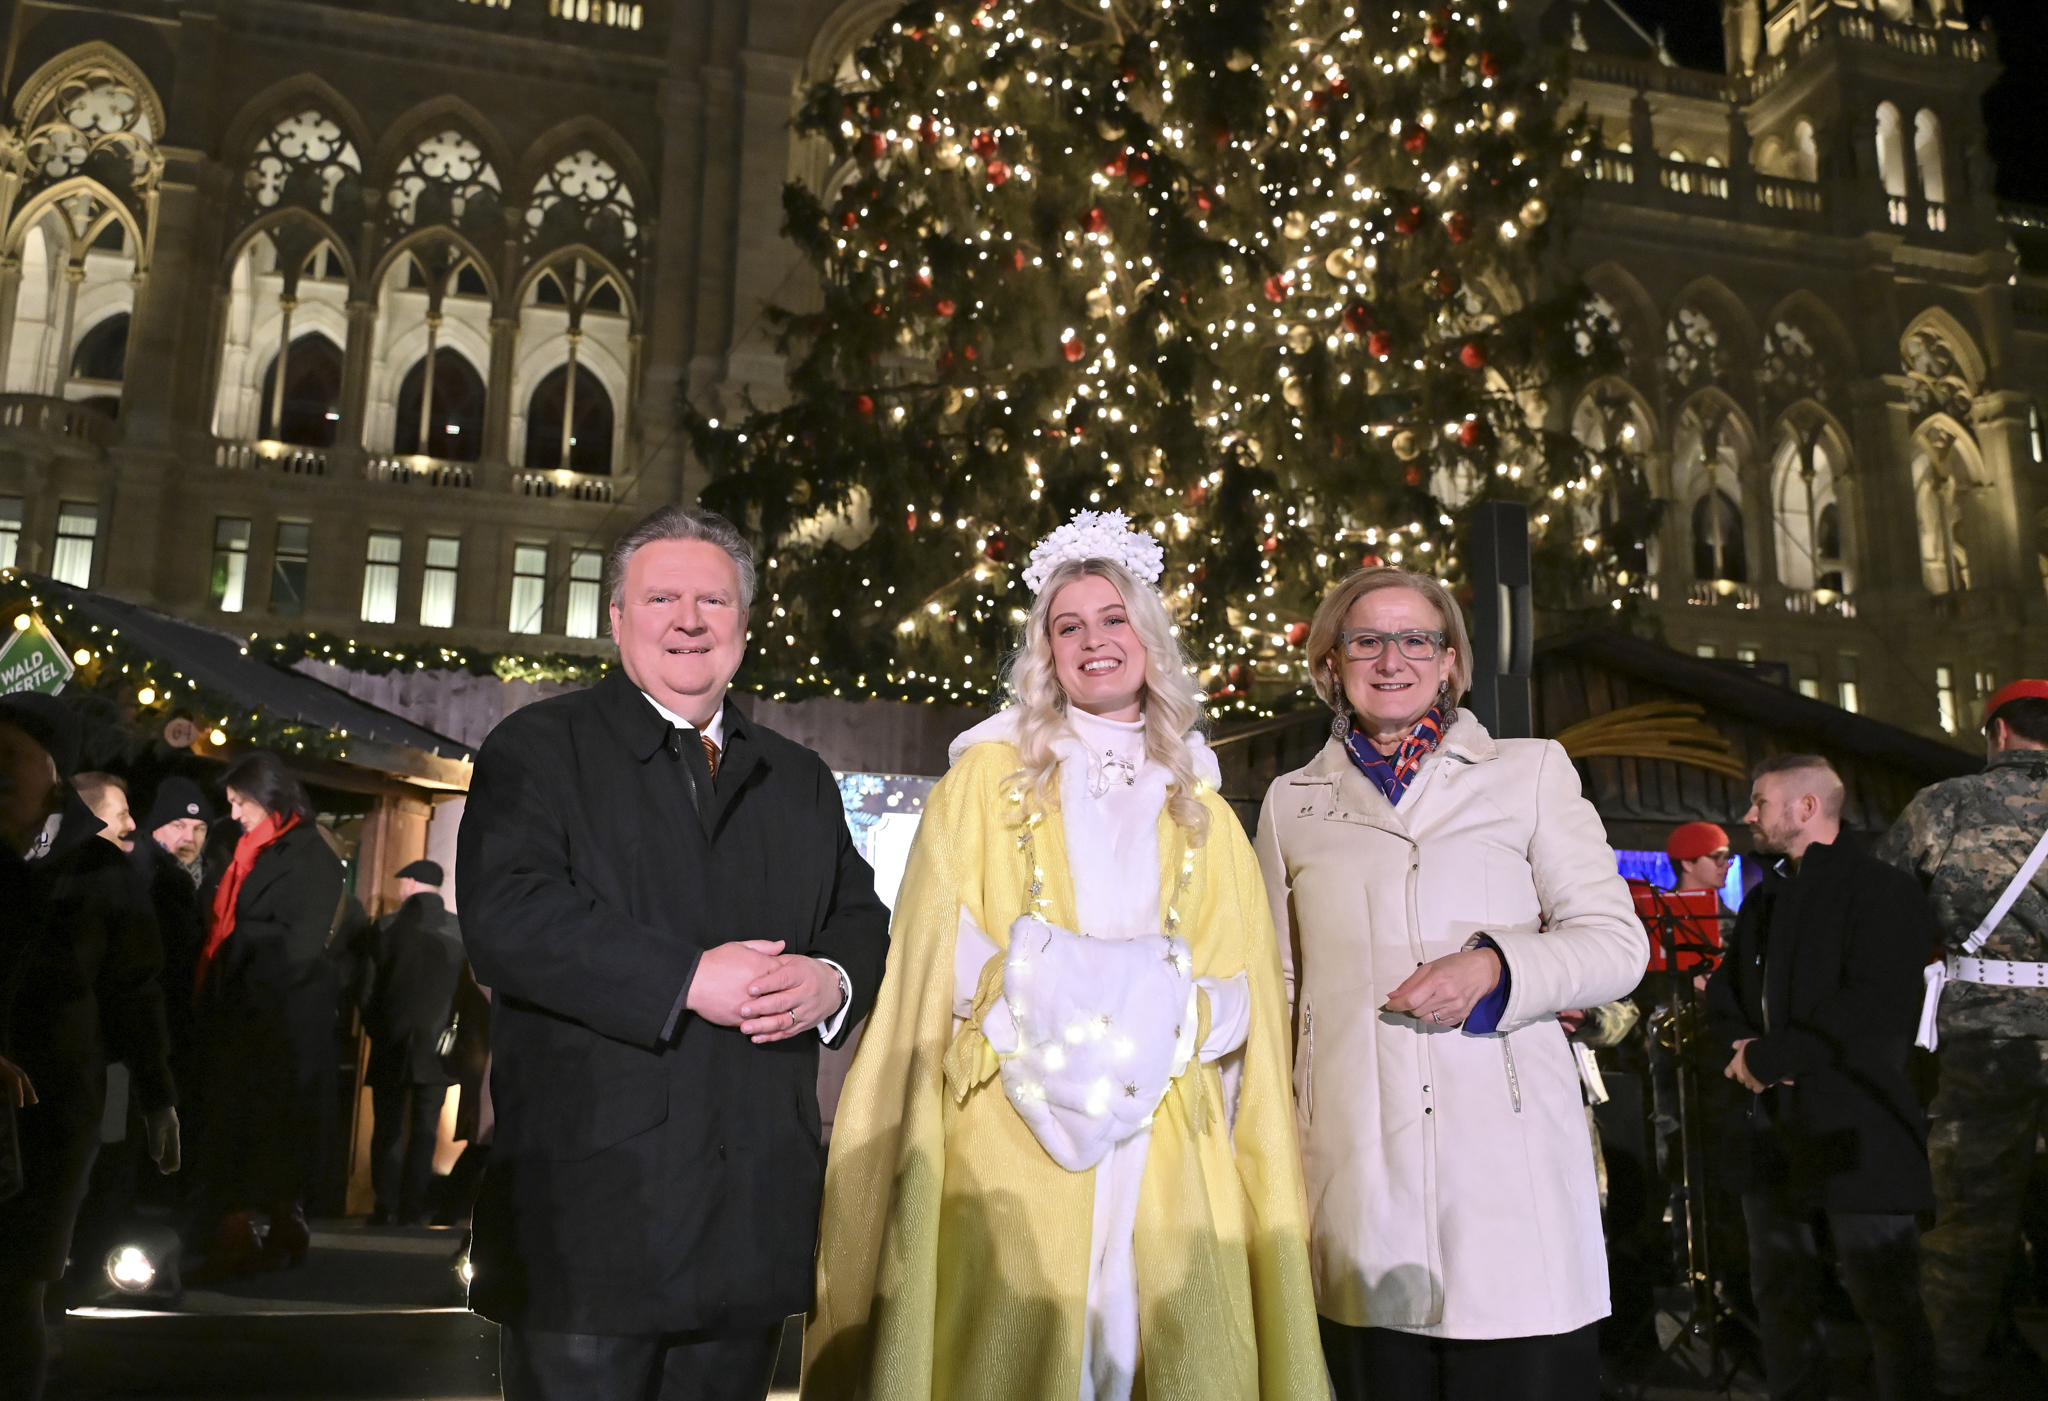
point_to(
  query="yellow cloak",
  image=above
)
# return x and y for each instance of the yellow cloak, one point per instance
(953, 1260)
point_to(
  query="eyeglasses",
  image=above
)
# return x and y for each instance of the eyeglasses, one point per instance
(1370, 644)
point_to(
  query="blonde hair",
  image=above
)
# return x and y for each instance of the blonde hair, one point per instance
(1172, 700)
(1325, 633)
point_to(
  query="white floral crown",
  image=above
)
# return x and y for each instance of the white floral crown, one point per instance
(1096, 535)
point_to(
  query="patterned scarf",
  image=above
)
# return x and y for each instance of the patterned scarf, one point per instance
(252, 844)
(1392, 776)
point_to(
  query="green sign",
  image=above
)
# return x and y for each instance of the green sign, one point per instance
(33, 660)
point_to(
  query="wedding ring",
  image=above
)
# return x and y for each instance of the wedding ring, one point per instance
(792, 1019)
(1437, 1017)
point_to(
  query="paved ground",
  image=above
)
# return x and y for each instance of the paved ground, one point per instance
(377, 1315)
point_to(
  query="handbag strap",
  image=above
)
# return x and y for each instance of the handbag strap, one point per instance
(1999, 911)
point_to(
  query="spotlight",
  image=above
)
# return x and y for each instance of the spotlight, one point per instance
(130, 1270)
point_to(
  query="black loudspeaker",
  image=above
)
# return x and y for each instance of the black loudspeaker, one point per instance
(1503, 622)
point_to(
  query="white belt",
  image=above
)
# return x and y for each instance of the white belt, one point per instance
(1997, 972)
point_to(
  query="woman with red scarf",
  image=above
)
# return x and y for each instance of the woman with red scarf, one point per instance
(265, 997)
(1440, 896)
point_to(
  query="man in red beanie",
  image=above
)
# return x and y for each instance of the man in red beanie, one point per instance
(1699, 856)
(1979, 845)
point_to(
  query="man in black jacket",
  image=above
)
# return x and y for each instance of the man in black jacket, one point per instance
(415, 963)
(1818, 998)
(168, 844)
(666, 903)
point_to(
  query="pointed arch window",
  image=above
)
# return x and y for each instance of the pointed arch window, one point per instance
(1806, 473)
(445, 420)
(308, 161)
(1717, 549)
(1693, 353)
(96, 122)
(1891, 160)
(1942, 480)
(306, 408)
(583, 199)
(102, 352)
(569, 422)
(446, 180)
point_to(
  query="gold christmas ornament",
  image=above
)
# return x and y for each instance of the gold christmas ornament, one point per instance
(1239, 61)
(1342, 262)
(1110, 131)
(1293, 393)
(948, 156)
(1299, 339)
(1098, 301)
(1533, 213)
(1404, 445)
(1295, 225)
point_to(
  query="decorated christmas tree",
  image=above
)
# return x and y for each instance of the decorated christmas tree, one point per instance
(1266, 276)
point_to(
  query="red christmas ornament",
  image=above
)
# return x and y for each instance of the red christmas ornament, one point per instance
(1489, 66)
(1017, 259)
(1408, 220)
(1116, 164)
(1278, 285)
(876, 145)
(998, 173)
(1129, 73)
(1437, 37)
(848, 219)
(1472, 355)
(864, 405)
(911, 524)
(1415, 140)
(1204, 200)
(1370, 561)
(882, 245)
(969, 351)
(1358, 318)
(1448, 282)
(996, 547)
(1379, 345)
(1297, 634)
(1072, 348)
(1339, 89)
(1413, 475)
(874, 308)
(1470, 432)
(1270, 544)
(1222, 137)
(1197, 494)
(1316, 101)
(945, 362)
(985, 144)
(1459, 226)
(1138, 175)
(945, 306)
(1094, 221)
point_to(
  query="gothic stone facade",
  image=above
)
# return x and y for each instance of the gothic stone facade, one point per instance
(495, 240)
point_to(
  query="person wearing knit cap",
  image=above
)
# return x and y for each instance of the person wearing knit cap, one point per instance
(1971, 842)
(1699, 855)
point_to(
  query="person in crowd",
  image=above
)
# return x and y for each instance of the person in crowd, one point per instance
(106, 795)
(81, 992)
(1968, 841)
(1075, 869)
(1440, 897)
(1815, 998)
(666, 902)
(265, 994)
(414, 968)
(168, 856)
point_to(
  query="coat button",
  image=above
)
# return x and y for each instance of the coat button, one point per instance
(721, 1152)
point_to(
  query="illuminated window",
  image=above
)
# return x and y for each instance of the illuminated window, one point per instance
(437, 584)
(230, 584)
(529, 587)
(10, 530)
(1945, 698)
(380, 577)
(586, 581)
(78, 531)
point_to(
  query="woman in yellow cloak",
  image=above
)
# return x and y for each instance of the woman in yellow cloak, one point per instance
(1064, 1162)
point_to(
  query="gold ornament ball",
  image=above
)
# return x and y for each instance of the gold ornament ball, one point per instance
(1295, 225)
(948, 156)
(1534, 212)
(1404, 445)
(1299, 339)
(1342, 262)
(1292, 392)
(1098, 301)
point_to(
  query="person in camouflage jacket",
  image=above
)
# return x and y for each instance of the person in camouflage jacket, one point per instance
(1965, 838)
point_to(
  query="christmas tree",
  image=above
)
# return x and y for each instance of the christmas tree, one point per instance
(1263, 275)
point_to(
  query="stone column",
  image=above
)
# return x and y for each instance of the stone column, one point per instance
(355, 375)
(498, 397)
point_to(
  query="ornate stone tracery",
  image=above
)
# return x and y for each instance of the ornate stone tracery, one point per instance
(306, 160)
(1693, 354)
(582, 198)
(1792, 367)
(446, 179)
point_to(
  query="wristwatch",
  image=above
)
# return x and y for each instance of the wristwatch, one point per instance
(845, 990)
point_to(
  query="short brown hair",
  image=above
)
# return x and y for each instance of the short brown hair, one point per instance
(91, 784)
(1323, 633)
(1831, 795)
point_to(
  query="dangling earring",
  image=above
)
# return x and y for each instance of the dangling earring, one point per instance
(1340, 724)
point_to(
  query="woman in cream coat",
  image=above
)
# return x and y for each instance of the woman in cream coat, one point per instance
(1440, 896)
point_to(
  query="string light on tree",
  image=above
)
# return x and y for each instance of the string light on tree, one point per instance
(1263, 275)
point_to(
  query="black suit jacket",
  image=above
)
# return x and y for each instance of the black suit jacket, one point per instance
(414, 966)
(648, 1176)
(1825, 972)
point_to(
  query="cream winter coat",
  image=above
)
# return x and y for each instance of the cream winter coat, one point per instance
(1450, 1176)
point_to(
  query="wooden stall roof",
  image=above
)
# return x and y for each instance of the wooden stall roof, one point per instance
(1599, 671)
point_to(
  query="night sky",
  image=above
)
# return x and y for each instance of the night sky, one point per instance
(2013, 110)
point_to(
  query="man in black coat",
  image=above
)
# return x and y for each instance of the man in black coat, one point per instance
(168, 845)
(83, 960)
(666, 902)
(1818, 998)
(415, 962)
